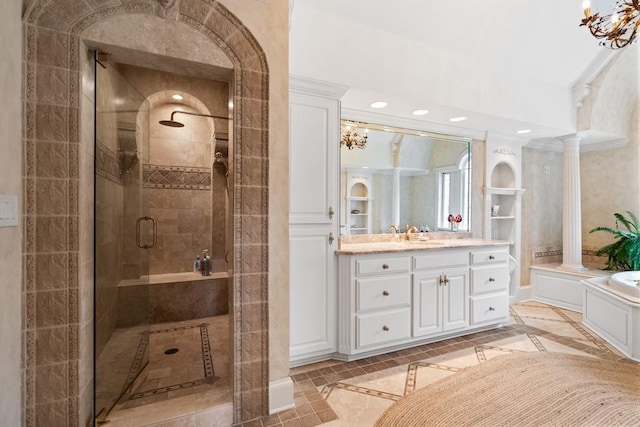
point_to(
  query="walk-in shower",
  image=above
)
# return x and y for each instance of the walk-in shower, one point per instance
(161, 327)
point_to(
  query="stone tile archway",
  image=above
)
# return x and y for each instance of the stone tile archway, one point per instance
(57, 260)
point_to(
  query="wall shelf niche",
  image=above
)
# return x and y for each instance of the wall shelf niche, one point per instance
(358, 204)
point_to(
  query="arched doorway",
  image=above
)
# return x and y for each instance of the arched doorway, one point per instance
(58, 237)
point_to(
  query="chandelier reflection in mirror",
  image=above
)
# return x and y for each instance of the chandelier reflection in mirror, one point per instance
(350, 136)
(617, 29)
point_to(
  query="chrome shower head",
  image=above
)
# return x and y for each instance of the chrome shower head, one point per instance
(171, 123)
(174, 124)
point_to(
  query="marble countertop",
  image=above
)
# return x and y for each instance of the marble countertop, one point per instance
(413, 245)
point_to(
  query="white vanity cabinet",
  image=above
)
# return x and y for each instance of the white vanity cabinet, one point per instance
(440, 292)
(375, 307)
(398, 299)
(489, 286)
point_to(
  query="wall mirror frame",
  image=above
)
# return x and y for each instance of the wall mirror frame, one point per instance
(404, 177)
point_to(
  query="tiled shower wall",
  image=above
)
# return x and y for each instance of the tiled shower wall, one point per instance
(184, 193)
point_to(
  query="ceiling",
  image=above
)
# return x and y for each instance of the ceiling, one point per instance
(505, 64)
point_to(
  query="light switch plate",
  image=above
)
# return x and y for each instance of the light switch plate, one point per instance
(8, 211)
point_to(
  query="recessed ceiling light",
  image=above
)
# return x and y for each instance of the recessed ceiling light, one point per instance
(420, 112)
(523, 131)
(365, 167)
(378, 104)
(458, 119)
(177, 97)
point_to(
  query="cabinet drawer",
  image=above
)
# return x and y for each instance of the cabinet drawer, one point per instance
(366, 267)
(489, 256)
(383, 292)
(379, 328)
(489, 278)
(441, 259)
(488, 308)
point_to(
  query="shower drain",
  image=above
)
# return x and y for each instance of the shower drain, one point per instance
(171, 351)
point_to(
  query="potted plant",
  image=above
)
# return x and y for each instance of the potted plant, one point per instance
(624, 253)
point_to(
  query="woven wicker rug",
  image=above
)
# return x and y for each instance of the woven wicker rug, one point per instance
(526, 389)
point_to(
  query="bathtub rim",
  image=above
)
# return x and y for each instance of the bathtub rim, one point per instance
(619, 281)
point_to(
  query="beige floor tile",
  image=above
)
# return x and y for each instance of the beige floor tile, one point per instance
(553, 346)
(391, 380)
(356, 409)
(558, 328)
(457, 359)
(520, 343)
(427, 375)
(543, 312)
(573, 315)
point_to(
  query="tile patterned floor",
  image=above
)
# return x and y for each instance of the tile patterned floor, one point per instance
(356, 393)
(336, 394)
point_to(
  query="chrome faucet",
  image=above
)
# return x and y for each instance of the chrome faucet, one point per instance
(410, 229)
(393, 228)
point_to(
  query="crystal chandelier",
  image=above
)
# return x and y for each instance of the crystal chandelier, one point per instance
(617, 29)
(350, 137)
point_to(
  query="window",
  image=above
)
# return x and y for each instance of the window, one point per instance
(453, 194)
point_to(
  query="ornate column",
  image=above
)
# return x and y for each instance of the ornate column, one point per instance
(571, 204)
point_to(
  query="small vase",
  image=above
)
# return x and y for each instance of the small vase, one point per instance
(454, 226)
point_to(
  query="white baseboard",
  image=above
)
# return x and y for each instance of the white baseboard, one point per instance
(523, 293)
(280, 395)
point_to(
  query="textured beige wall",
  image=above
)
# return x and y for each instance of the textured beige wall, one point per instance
(610, 179)
(610, 183)
(10, 238)
(541, 206)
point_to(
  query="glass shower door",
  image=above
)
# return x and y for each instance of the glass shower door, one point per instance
(124, 234)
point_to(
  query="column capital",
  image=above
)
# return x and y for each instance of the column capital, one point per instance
(571, 140)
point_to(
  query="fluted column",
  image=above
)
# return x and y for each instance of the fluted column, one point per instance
(571, 212)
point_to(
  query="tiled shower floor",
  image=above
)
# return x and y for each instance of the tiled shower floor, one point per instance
(192, 379)
(355, 394)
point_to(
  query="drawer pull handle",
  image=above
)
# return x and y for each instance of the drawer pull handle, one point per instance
(492, 257)
(385, 328)
(491, 279)
(385, 266)
(385, 293)
(492, 309)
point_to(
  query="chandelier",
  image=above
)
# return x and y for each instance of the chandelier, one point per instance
(617, 29)
(350, 137)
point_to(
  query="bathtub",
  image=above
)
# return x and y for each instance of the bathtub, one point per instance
(612, 310)
(172, 297)
(626, 283)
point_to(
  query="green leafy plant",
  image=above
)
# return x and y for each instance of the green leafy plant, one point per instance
(624, 253)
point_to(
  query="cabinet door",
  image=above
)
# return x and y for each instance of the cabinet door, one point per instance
(314, 142)
(312, 297)
(427, 306)
(455, 299)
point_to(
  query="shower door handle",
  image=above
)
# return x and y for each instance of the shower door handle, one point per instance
(154, 224)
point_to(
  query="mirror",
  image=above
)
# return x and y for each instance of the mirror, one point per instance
(400, 177)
